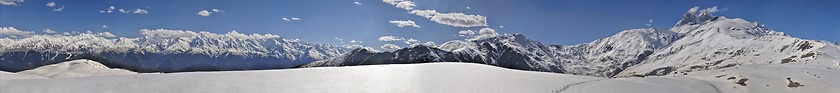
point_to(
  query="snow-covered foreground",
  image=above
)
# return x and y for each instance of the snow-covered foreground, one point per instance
(431, 77)
(773, 78)
(82, 76)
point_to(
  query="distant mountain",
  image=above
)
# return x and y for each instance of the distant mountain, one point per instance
(164, 53)
(514, 51)
(605, 57)
(699, 41)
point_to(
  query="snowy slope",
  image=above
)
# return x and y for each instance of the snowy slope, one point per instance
(9, 75)
(723, 43)
(76, 68)
(408, 78)
(758, 78)
(444, 77)
(163, 50)
(609, 56)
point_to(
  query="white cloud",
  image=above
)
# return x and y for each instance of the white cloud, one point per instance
(354, 41)
(710, 10)
(59, 9)
(140, 11)
(105, 34)
(466, 33)
(392, 1)
(407, 5)
(12, 32)
(484, 33)
(390, 38)
(501, 26)
(339, 40)
(357, 46)
(209, 12)
(123, 11)
(172, 34)
(428, 43)
(291, 19)
(460, 20)
(469, 7)
(410, 41)
(390, 47)
(109, 10)
(693, 9)
(204, 13)
(51, 4)
(10, 2)
(649, 23)
(424, 13)
(404, 4)
(104, 26)
(49, 31)
(405, 23)
(487, 31)
(112, 8)
(452, 19)
(357, 3)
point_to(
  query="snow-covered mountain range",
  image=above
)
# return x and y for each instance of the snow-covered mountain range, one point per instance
(702, 53)
(699, 41)
(162, 50)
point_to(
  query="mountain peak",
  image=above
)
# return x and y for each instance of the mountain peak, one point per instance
(692, 17)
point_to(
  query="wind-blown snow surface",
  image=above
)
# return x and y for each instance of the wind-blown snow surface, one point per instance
(444, 77)
(76, 68)
(426, 78)
(760, 78)
(162, 50)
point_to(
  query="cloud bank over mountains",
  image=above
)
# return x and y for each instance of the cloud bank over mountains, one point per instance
(450, 19)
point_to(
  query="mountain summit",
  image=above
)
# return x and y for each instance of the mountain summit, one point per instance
(693, 16)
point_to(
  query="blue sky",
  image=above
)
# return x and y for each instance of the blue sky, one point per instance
(564, 22)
